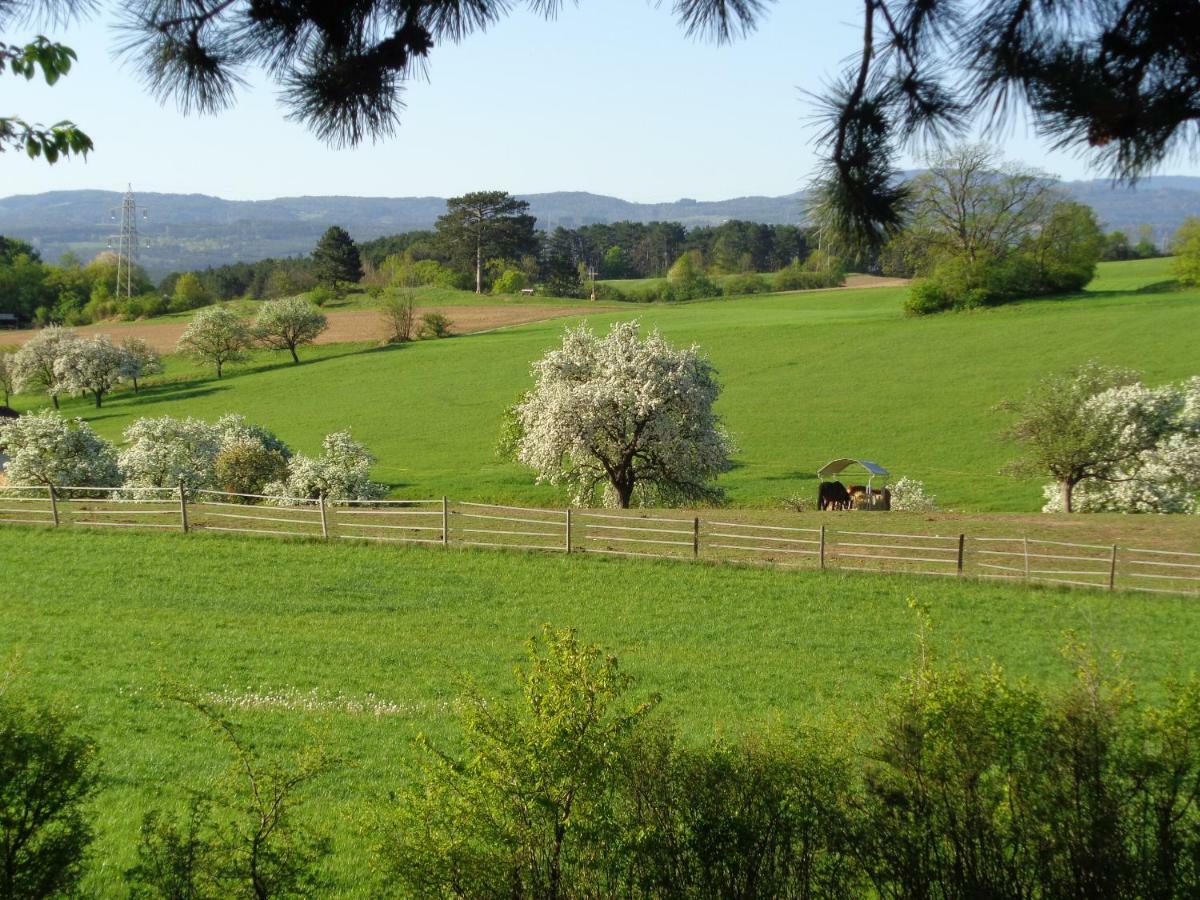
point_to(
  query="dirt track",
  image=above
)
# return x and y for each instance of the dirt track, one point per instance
(344, 326)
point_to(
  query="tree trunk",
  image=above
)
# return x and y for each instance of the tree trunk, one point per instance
(624, 493)
(1067, 488)
(135, 385)
(54, 397)
(295, 358)
(98, 396)
(479, 264)
(218, 368)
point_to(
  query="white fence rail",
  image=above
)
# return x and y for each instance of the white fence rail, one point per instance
(445, 522)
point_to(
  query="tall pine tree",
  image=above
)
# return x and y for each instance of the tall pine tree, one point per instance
(335, 258)
(486, 225)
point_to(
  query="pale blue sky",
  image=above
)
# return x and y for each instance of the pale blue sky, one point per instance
(610, 98)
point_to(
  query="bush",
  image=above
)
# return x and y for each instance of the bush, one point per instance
(247, 467)
(44, 448)
(399, 316)
(798, 278)
(48, 773)
(320, 295)
(908, 495)
(342, 472)
(510, 281)
(745, 284)
(925, 296)
(609, 292)
(435, 325)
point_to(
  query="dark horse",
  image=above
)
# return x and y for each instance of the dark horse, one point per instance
(832, 495)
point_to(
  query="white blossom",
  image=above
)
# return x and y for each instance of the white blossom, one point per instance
(288, 323)
(1165, 478)
(216, 335)
(342, 472)
(45, 448)
(93, 366)
(139, 361)
(33, 364)
(908, 495)
(164, 452)
(628, 414)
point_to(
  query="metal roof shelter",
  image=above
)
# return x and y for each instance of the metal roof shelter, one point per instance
(833, 468)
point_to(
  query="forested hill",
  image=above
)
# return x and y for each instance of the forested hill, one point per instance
(190, 231)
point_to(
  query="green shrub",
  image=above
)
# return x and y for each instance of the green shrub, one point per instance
(435, 325)
(925, 296)
(609, 292)
(510, 281)
(745, 284)
(797, 278)
(320, 295)
(245, 467)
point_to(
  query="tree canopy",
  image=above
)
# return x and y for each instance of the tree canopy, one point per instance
(484, 225)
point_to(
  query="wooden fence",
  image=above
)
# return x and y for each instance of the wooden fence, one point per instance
(459, 523)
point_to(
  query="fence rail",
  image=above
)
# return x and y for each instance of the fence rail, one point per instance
(445, 522)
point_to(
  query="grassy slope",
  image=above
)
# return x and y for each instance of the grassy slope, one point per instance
(100, 621)
(807, 377)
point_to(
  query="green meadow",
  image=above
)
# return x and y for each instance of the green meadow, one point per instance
(360, 648)
(807, 377)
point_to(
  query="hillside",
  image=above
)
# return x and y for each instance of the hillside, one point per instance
(189, 231)
(808, 377)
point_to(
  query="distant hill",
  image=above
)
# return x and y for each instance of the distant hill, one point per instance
(190, 231)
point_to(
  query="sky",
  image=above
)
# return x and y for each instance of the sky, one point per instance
(610, 98)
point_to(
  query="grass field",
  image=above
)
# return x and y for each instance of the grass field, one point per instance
(101, 621)
(808, 377)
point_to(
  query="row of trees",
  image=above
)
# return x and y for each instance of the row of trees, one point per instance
(58, 361)
(966, 784)
(230, 455)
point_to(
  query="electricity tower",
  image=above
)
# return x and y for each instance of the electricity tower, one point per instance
(127, 247)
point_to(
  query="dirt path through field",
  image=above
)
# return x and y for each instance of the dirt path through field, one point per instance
(344, 325)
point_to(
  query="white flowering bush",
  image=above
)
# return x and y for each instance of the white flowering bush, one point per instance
(625, 415)
(342, 472)
(93, 367)
(1163, 476)
(33, 364)
(908, 495)
(45, 448)
(165, 452)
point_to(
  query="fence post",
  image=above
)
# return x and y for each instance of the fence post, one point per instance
(53, 504)
(1112, 569)
(568, 530)
(822, 546)
(183, 519)
(695, 537)
(962, 540)
(1025, 544)
(445, 521)
(324, 518)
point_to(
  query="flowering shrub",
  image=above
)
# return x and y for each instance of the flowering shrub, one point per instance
(45, 448)
(246, 467)
(165, 452)
(342, 472)
(908, 495)
(629, 415)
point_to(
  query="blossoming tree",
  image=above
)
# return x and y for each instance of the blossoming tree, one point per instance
(216, 335)
(44, 448)
(626, 414)
(33, 364)
(93, 367)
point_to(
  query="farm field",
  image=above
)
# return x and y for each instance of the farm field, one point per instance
(807, 377)
(361, 647)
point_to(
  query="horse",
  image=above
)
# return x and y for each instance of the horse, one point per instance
(832, 495)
